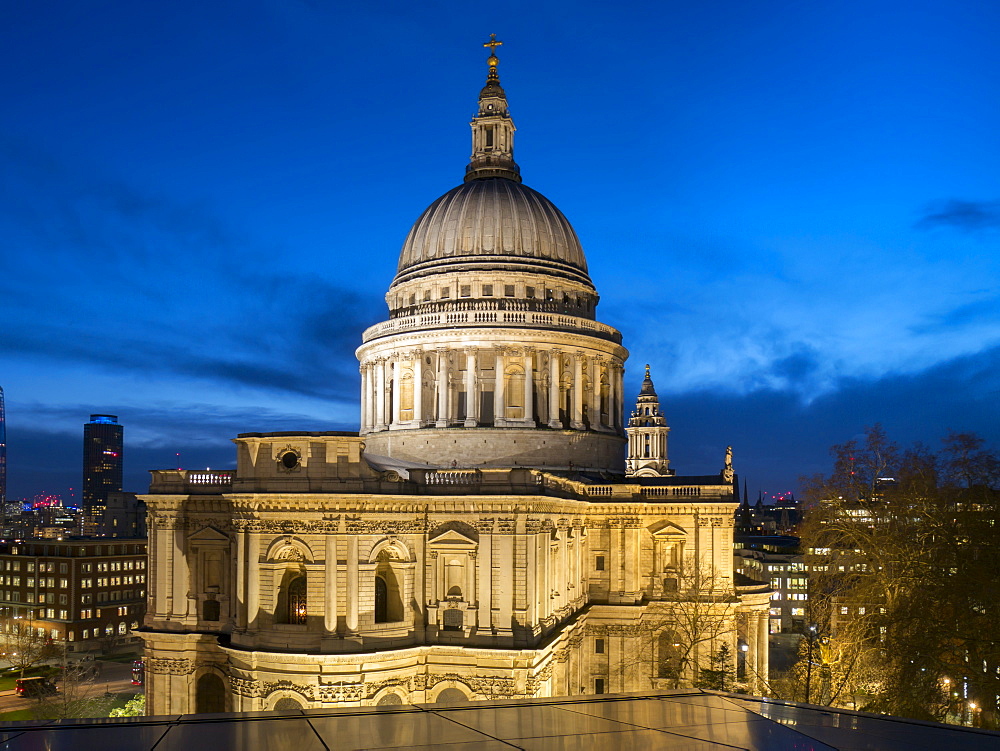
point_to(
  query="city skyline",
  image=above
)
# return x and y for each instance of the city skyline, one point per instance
(792, 215)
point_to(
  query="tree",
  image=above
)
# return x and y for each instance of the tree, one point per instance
(24, 645)
(720, 673)
(679, 636)
(134, 707)
(78, 696)
(904, 577)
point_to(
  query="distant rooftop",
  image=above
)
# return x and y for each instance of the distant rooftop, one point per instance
(688, 720)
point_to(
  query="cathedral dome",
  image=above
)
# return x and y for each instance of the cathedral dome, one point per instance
(493, 220)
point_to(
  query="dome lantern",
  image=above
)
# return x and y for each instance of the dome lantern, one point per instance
(492, 129)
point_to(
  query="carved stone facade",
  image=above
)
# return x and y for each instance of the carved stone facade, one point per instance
(478, 538)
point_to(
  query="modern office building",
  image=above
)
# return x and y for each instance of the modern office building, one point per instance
(103, 443)
(84, 594)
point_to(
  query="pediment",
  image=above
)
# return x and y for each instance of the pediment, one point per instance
(666, 529)
(452, 538)
(209, 534)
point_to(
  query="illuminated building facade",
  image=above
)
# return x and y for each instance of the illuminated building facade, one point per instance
(86, 595)
(103, 443)
(478, 538)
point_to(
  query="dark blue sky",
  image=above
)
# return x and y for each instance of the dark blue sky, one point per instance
(791, 211)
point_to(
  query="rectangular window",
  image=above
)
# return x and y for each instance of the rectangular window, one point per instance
(63, 583)
(599, 563)
(529, 292)
(598, 685)
(487, 290)
(62, 568)
(843, 610)
(445, 293)
(508, 290)
(63, 615)
(598, 646)
(465, 290)
(50, 613)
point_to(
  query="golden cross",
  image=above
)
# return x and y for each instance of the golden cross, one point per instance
(493, 44)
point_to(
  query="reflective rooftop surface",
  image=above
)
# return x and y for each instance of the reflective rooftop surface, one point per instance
(687, 720)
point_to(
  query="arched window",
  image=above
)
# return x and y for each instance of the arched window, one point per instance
(210, 694)
(669, 661)
(287, 703)
(514, 392)
(388, 597)
(389, 699)
(452, 696)
(454, 577)
(292, 606)
(381, 600)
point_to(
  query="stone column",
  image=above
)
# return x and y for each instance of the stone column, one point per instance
(330, 606)
(577, 423)
(471, 397)
(379, 394)
(554, 421)
(181, 575)
(370, 396)
(162, 595)
(442, 388)
(365, 414)
(763, 650)
(397, 389)
(470, 580)
(529, 385)
(253, 579)
(241, 579)
(418, 388)
(595, 394)
(614, 389)
(499, 403)
(352, 584)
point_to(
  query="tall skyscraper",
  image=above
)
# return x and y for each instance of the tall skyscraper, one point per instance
(102, 465)
(3, 457)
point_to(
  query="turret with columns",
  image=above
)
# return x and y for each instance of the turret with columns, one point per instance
(647, 435)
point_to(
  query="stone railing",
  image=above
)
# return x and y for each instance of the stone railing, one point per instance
(506, 318)
(190, 481)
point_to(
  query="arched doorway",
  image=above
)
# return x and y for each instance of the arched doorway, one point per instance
(210, 694)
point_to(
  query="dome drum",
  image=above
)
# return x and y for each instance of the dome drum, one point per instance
(492, 354)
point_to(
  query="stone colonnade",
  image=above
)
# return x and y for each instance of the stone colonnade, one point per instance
(500, 386)
(654, 438)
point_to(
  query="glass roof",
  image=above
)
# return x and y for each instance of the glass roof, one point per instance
(679, 721)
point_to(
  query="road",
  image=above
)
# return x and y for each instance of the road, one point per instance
(115, 678)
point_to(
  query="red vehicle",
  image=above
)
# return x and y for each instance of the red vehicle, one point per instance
(34, 687)
(138, 672)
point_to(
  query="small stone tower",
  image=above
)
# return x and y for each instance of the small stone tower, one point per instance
(647, 436)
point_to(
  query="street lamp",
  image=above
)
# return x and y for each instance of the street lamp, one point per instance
(811, 636)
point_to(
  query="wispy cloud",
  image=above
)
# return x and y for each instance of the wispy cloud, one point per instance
(971, 216)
